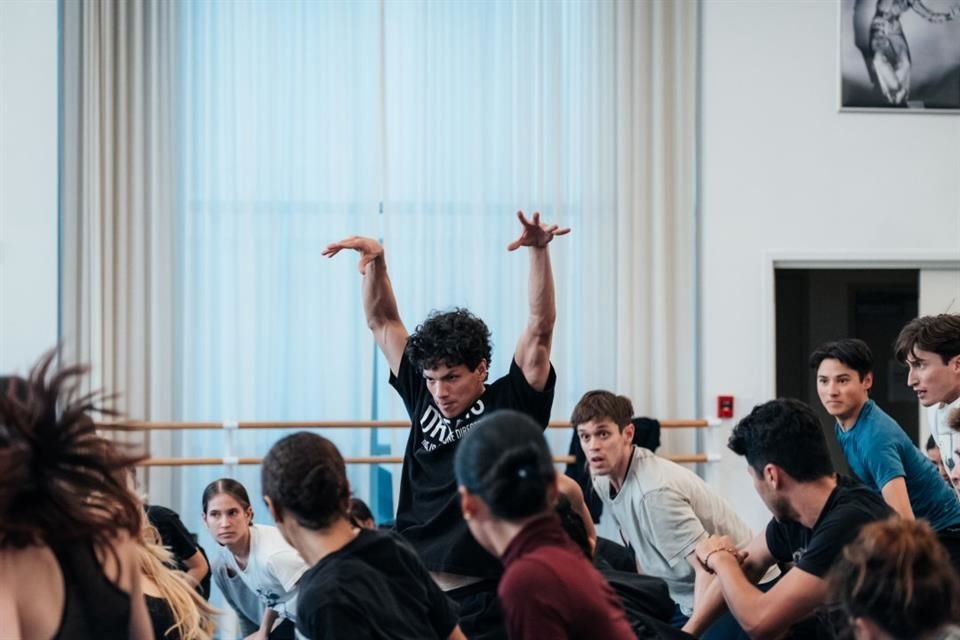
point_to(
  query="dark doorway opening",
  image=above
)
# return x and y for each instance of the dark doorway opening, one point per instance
(817, 305)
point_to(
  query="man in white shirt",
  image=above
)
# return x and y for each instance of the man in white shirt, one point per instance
(930, 347)
(662, 509)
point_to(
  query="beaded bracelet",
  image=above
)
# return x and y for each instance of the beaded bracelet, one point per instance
(706, 558)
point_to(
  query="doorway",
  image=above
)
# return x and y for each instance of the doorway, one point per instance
(814, 306)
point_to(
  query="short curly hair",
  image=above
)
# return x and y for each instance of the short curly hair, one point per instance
(786, 433)
(450, 338)
(305, 475)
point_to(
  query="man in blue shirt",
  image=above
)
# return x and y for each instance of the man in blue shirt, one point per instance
(876, 447)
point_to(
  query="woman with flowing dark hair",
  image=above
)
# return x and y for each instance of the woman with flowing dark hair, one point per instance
(363, 583)
(895, 582)
(68, 524)
(508, 488)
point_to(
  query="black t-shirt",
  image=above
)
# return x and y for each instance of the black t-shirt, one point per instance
(374, 587)
(174, 535)
(849, 507)
(428, 510)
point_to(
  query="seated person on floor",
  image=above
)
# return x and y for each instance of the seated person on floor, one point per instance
(645, 599)
(661, 509)
(362, 582)
(815, 514)
(508, 486)
(877, 449)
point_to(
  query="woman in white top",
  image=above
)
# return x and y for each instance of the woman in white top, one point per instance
(256, 570)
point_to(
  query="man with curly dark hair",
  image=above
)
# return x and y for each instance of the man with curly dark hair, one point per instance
(440, 372)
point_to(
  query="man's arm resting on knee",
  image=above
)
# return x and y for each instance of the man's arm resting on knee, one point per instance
(767, 615)
(708, 602)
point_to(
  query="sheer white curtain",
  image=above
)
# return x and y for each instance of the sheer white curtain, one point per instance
(211, 149)
(427, 124)
(281, 155)
(491, 107)
(655, 187)
(116, 204)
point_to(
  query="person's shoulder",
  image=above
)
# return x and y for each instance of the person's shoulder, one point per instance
(159, 510)
(268, 544)
(157, 513)
(854, 501)
(323, 586)
(515, 377)
(377, 543)
(531, 572)
(883, 423)
(649, 473)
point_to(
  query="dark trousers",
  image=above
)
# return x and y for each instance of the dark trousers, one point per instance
(481, 617)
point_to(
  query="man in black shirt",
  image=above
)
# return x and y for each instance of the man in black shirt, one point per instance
(440, 372)
(815, 514)
(190, 556)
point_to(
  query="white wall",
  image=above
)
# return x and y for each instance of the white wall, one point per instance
(28, 181)
(783, 171)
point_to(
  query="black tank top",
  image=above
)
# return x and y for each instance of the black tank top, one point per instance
(94, 608)
(161, 617)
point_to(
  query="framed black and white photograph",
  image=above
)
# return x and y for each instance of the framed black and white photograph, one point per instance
(900, 55)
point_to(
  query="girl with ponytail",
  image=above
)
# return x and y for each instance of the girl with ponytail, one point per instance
(255, 569)
(68, 524)
(363, 583)
(508, 489)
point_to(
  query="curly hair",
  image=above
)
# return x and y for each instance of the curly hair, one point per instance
(450, 338)
(786, 433)
(897, 574)
(305, 475)
(60, 482)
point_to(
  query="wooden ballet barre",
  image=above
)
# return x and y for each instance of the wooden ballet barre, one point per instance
(139, 425)
(212, 462)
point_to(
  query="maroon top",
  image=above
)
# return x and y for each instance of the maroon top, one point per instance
(550, 590)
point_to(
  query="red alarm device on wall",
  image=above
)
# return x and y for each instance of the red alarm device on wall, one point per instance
(724, 406)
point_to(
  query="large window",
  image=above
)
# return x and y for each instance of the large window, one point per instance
(422, 122)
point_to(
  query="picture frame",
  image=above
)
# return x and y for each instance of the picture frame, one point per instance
(899, 56)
